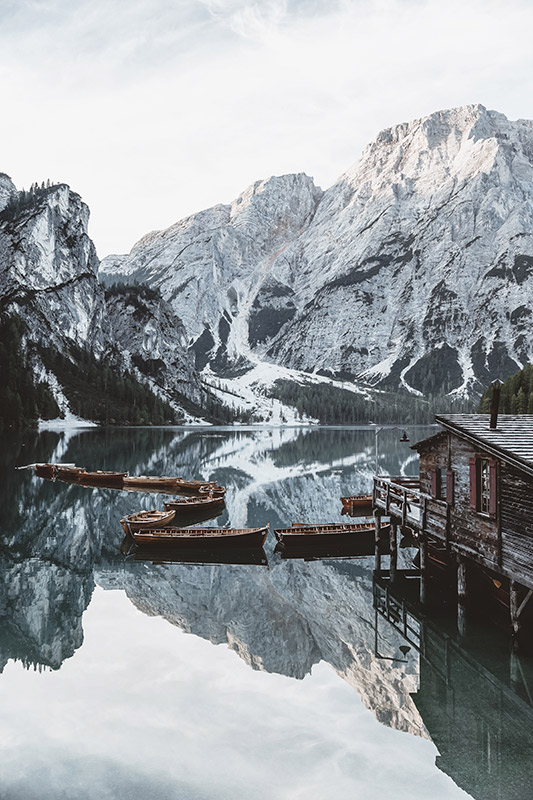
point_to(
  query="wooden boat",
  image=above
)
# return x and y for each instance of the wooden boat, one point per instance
(101, 477)
(67, 472)
(202, 538)
(213, 489)
(144, 520)
(193, 486)
(188, 505)
(326, 535)
(43, 470)
(356, 504)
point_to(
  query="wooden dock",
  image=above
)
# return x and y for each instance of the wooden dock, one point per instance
(473, 504)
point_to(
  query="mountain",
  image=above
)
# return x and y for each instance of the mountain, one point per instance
(49, 283)
(412, 272)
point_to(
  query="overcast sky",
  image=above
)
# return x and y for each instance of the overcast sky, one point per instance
(155, 109)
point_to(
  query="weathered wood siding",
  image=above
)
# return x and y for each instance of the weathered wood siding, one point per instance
(473, 533)
(517, 523)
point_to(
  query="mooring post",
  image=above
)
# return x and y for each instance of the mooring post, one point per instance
(423, 566)
(377, 535)
(393, 548)
(461, 595)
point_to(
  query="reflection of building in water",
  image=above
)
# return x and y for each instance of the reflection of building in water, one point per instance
(475, 698)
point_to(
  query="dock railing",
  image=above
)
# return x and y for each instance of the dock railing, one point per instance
(398, 497)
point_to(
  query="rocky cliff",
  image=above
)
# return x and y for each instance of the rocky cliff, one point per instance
(49, 279)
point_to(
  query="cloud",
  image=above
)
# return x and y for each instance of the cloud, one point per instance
(153, 109)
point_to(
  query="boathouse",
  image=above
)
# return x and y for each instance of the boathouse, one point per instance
(472, 504)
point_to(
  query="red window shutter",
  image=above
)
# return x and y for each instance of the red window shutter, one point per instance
(473, 484)
(449, 486)
(493, 484)
(433, 477)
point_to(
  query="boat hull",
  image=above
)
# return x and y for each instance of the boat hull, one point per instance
(329, 537)
(101, 478)
(357, 505)
(147, 520)
(192, 505)
(202, 538)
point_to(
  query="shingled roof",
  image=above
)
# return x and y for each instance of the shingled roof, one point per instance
(511, 440)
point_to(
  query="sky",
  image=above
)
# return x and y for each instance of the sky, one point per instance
(155, 109)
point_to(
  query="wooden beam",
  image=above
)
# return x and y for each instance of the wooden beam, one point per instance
(423, 567)
(377, 536)
(393, 543)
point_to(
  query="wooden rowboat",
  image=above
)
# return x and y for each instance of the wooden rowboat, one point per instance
(43, 470)
(356, 503)
(202, 538)
(101, 477)
(188, 505)
(326, 535)
(145, 520)
(66, 472)
(213, 489)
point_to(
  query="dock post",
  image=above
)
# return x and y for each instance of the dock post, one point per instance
(423, 567)
(461, 595)
(393, 545)
(377, 535)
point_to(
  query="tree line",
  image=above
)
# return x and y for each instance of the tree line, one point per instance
(516, 394)
(23, 398)
(332, 405)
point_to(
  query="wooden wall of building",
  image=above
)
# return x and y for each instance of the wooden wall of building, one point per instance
(474, 533)
(516, 509)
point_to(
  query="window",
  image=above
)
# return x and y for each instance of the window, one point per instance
(484, 486)
(442, 484)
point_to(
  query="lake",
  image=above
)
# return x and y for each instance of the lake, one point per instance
(122, 677)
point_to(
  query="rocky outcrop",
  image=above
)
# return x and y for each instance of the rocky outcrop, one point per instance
(152, 341)
(49, 279)
(209, 266)
(49, 268)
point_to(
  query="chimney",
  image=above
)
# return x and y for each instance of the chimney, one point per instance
(495, 404)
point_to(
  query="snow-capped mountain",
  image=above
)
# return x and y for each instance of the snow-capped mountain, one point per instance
(413, 270)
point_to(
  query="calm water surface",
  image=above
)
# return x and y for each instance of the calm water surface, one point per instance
(124, 678)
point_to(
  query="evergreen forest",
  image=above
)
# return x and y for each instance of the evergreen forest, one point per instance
(333, 405)
(23, 398)
(516, 394)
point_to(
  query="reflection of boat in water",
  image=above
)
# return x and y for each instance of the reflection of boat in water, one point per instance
(330, 536)
(144, 520)
(149, 483)
(357, 504)
(199, 504)
(153, 483)
(202, 538)
(159, 554)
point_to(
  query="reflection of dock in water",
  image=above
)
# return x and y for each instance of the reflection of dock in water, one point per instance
(475, 696)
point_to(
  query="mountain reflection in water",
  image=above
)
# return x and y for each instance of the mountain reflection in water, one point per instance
(60, 540)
